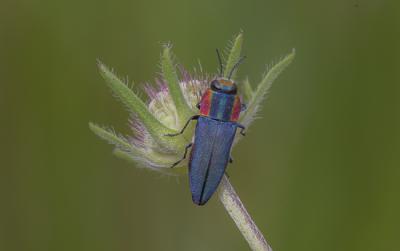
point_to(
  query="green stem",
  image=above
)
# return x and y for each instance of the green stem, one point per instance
(241, 217)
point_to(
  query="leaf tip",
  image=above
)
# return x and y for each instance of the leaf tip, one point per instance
(237, 42)
(100, 65)
(293, 53)
(288, 58)
(96, 129)
(239, 36)
(93, 127)
(104, 71)
(166, 49)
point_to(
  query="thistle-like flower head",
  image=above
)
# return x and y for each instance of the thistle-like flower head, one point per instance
(172, 99)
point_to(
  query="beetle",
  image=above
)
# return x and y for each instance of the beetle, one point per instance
(217, 123)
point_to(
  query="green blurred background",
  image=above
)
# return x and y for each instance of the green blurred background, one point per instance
(319, 171)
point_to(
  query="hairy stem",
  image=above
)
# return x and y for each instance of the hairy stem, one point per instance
(241, 217)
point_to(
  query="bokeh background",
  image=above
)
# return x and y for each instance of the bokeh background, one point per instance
(319, 171)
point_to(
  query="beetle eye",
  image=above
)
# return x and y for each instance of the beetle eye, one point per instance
(215, 85)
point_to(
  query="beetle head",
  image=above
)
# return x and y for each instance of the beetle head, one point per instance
(223, 85)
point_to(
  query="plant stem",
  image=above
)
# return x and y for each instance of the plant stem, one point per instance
(241, 217)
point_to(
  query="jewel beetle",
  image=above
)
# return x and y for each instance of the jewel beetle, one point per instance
(217, 123)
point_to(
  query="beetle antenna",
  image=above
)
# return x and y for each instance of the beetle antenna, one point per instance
(221, 67)
(236, 65)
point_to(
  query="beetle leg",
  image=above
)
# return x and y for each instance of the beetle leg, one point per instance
(230, 159)
(243, 107)
(242, 128)
(198, 105)
(195, 117)
(184, 156)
